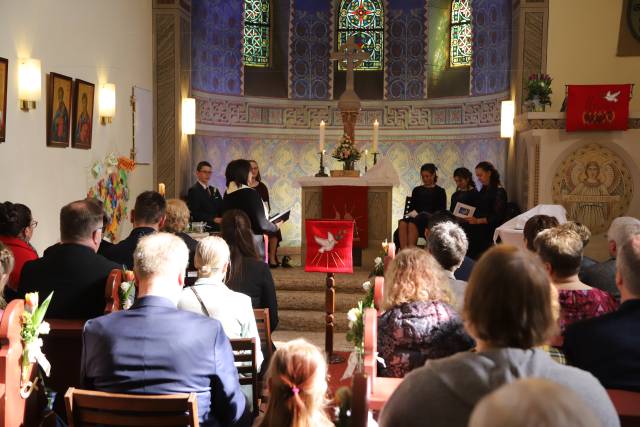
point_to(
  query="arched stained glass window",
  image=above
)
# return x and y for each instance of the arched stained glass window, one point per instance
(461, 47)
(364, 20)
(257, 33)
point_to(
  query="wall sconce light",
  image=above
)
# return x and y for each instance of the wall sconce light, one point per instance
(29, 83)
(507, 115)
(107, 102)
(188, 116)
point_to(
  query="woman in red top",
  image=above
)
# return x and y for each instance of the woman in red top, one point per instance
(16, 229)
(561, 251)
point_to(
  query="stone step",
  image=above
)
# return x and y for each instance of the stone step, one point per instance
(315, 301)
(312, 321)
(296, 279)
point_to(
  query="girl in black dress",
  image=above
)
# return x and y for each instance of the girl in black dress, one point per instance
(465, 189)
(425, 199)
(490, 212)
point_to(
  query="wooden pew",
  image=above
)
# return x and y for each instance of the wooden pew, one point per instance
(360, 400)
(14, 410)
(378, 293)
(627, 404)
(380, 388)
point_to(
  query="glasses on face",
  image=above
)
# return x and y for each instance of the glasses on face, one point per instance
(33, 224)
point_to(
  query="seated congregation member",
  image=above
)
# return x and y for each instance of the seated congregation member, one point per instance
(16, 229)
(205, 201)
(543, 403)
(418, 322)
(561, 251)
(585, 235)
(211, 297)
(490, 212)
(535, 225)
(609, 346)
(248, 274)
(274, 240)
(240, 196)
(464, 270)
(297, 385)
(6, 266)
(425, 199)
(448, 245)
(176, 222)
(603, 274)
(145, 350)
(508, 310)
(147, 216)
(72, 269)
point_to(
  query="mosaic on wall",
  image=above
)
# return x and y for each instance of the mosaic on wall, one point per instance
(282, 162)
(594, 185)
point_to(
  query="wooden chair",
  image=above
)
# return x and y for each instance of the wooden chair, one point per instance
(359, 400)
(16, 411)
(244, 354)
(111, 286)
(378, 293)
(264, 331)
(87, 408)
(627, 404)
(380, 388)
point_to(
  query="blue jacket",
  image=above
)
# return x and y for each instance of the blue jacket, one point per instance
(154, 348)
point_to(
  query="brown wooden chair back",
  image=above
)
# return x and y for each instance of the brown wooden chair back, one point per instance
(359, 400)
(627, 404)
(111, 286)
(264, 331)
(88, 408)
(244, 354)
(378, 292)
(15, 411)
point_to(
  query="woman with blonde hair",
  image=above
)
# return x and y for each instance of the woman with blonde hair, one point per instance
(419, 322)
(176, 222)
(211, 297)
(297, 383)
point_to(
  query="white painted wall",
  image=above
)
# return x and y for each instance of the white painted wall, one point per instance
(96, 41)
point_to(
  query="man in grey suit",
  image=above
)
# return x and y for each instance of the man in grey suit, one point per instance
(603, 274)
(145, 350)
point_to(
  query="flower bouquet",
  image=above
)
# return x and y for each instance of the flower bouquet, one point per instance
(126, 292)
(347, 153)
(33, 325)
(538, 91)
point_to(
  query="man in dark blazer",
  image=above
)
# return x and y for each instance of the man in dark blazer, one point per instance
(72, 269)
(148, 217)
(609, 346)
(145, 350)
(204, 201)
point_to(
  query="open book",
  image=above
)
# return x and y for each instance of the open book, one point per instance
(280, 216)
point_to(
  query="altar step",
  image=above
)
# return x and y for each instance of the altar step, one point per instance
(301, 299)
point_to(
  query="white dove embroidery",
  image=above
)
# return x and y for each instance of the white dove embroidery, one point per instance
(326, 245)
(612, 97)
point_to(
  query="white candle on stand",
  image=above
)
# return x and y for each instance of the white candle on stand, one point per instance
(376, 125)
(321, 139)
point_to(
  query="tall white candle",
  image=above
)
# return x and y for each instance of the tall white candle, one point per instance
(321, 138)
(374, 147)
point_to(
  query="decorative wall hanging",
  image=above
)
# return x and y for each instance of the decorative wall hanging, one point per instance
(59, 90)
(83, 97)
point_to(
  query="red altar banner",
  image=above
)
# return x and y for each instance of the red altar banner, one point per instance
(598, 107)
(348, 203)
(329, 245)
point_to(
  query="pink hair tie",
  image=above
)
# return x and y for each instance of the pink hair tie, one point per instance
(295, 390)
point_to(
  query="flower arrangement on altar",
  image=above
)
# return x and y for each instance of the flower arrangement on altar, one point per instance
(33, 325)
(538, 91)
(346, 152)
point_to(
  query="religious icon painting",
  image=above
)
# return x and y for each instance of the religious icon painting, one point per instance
(59, 91)
(4, 68)
(82, 128)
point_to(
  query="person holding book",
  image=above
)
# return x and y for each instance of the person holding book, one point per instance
(425, 199)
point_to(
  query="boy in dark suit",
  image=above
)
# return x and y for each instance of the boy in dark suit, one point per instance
(609, 346)
(144, 350)
(204, 201)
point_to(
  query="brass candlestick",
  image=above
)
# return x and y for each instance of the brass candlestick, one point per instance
(321, 172)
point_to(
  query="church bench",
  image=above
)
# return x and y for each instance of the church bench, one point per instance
(16, 411)
(244, 356)
(380, 388)
(627, 404)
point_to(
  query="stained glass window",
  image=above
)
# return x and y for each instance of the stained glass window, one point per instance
(363, 19)
(257, 29)
(461, 47)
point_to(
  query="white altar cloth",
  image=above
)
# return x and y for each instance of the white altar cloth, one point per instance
(511, 232)
(383, 174)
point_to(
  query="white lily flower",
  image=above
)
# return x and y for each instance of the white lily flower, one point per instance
(377, 260)
(125, 286)
(352, 315)
(44, 328)
(366, 286)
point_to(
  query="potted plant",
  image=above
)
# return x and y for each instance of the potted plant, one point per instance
(538, 91)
